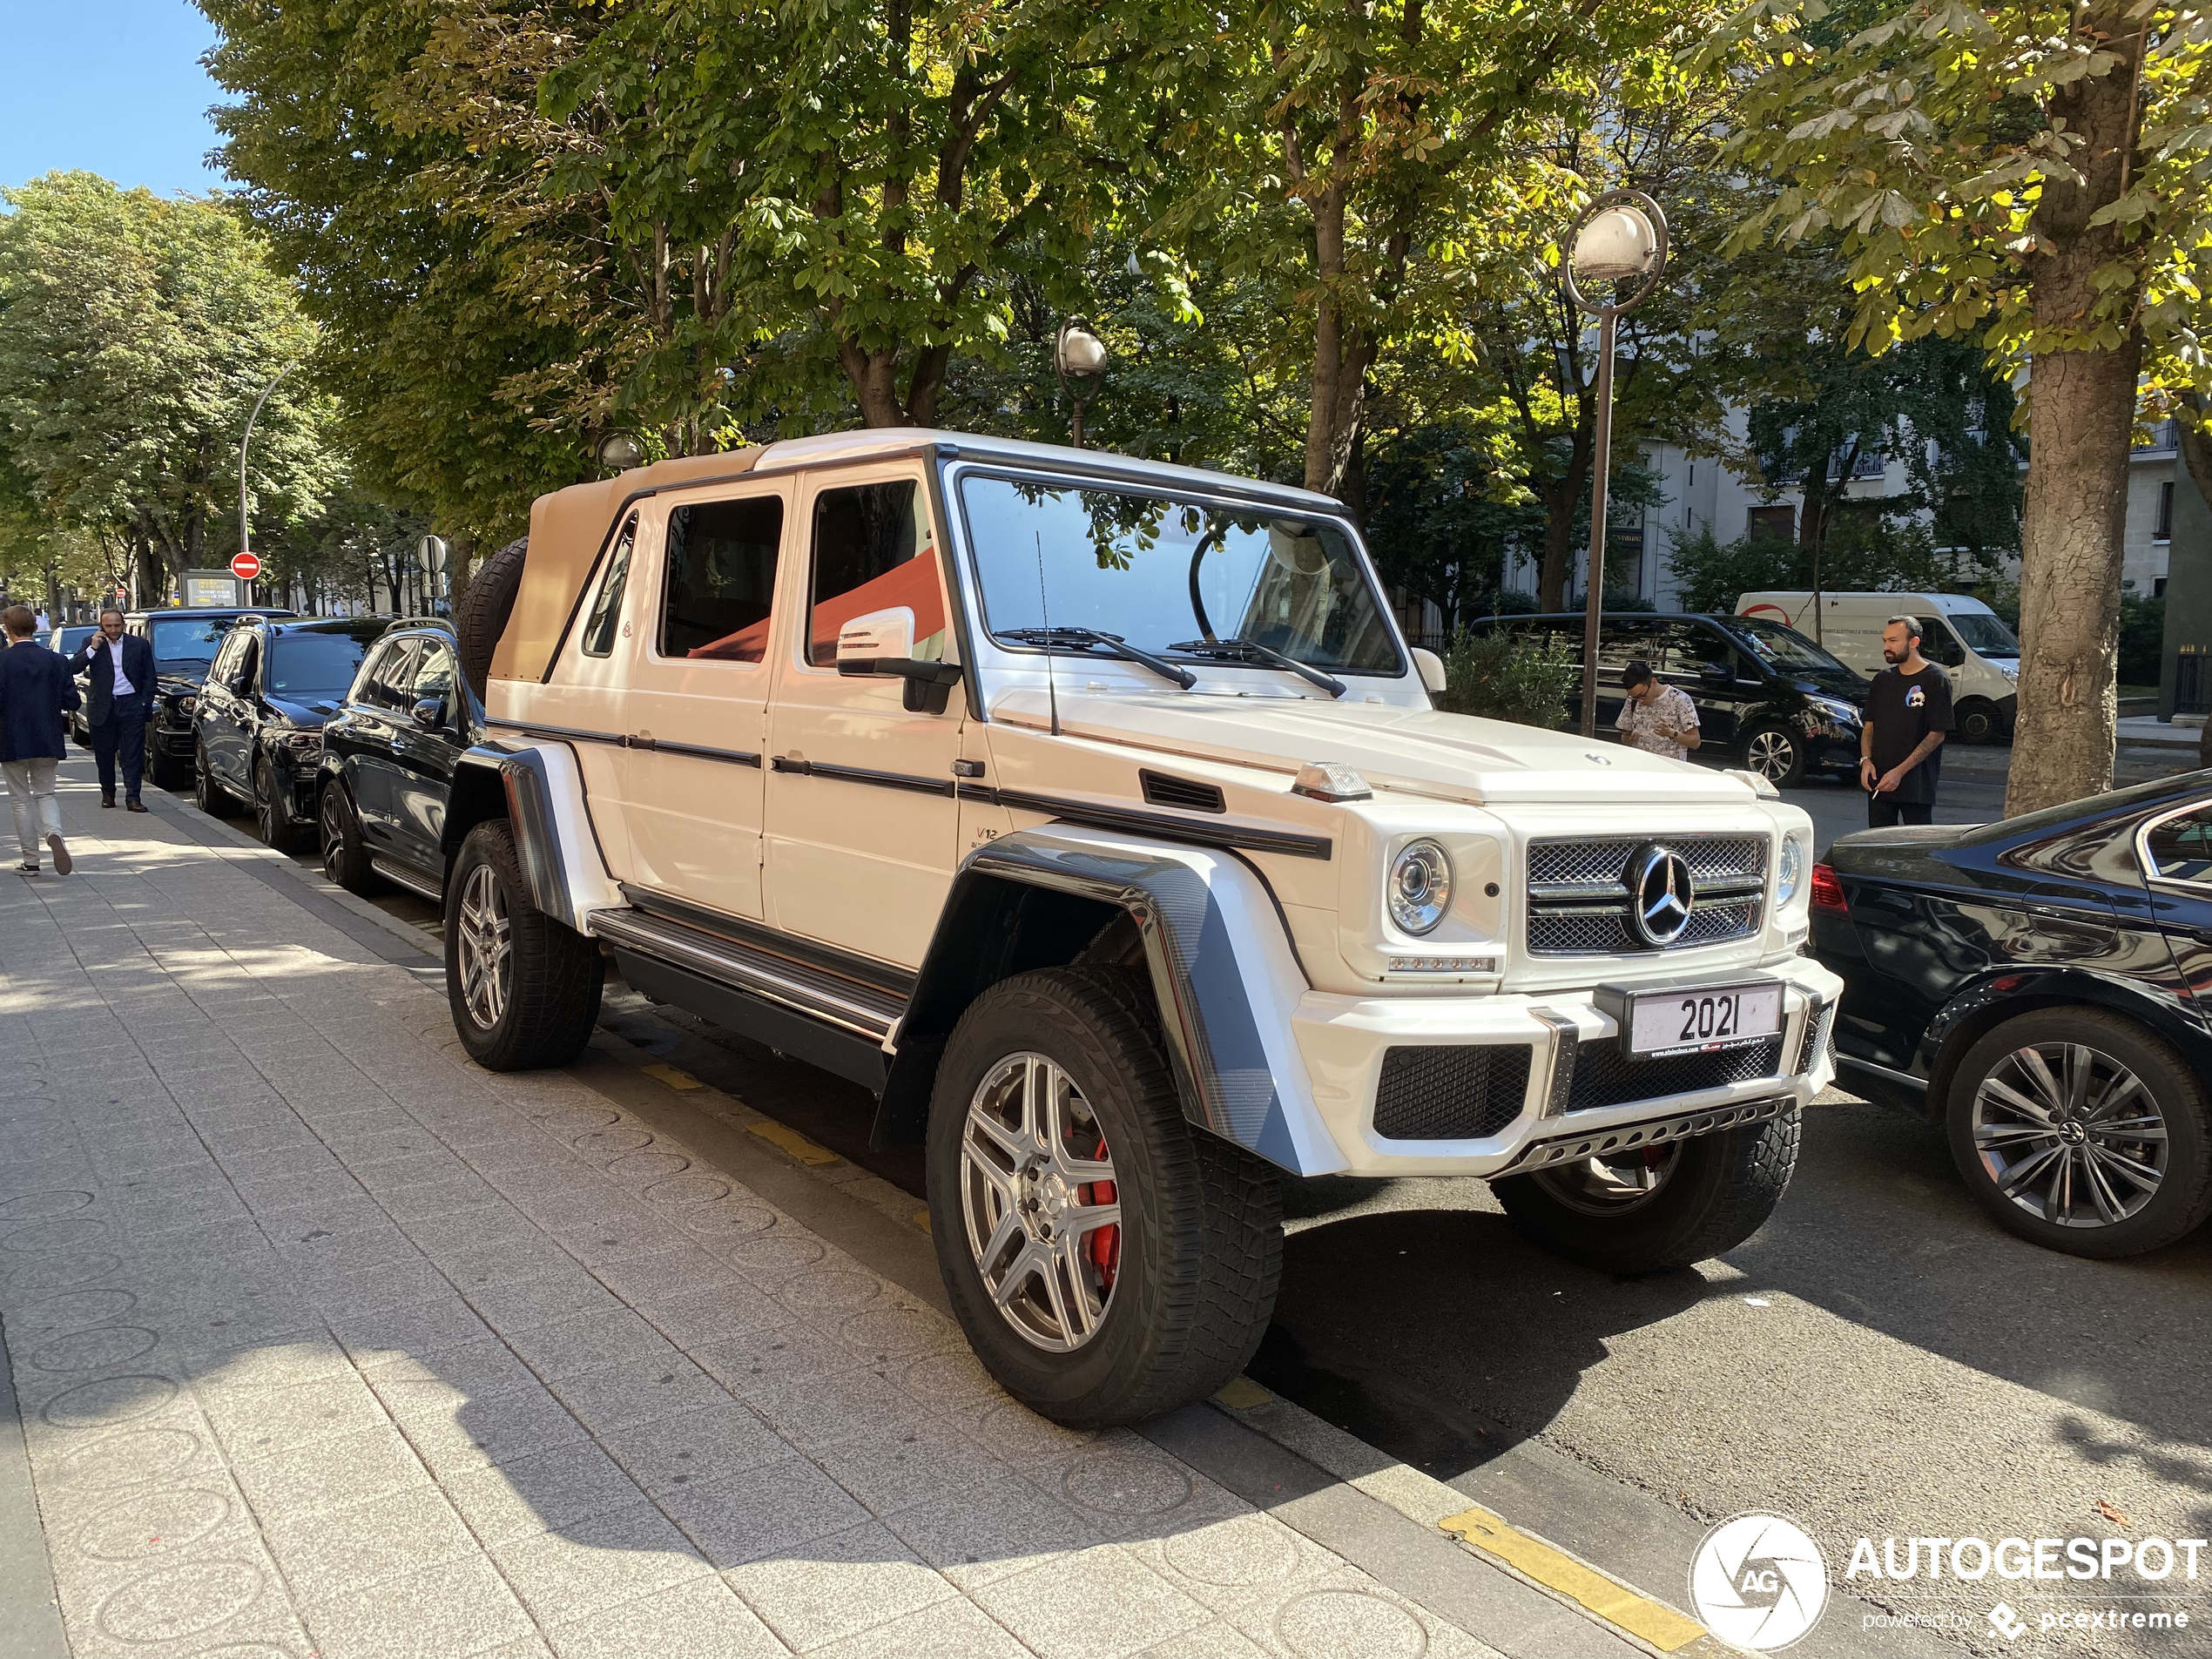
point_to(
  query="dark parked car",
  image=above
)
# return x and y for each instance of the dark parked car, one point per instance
(2040, 988)
(1767, 696)
(257, 727)
(387, 762)
(63, 641)
(185, 642)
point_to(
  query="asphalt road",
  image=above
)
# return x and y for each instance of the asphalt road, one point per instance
(1878, 1361)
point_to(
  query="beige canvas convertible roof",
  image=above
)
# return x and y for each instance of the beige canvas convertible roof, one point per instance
(567, 528)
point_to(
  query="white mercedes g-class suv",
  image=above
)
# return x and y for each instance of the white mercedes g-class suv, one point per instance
(1095, 815)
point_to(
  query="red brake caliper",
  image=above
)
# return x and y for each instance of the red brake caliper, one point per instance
(1104, 1245)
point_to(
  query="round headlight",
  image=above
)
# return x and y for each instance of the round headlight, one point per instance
(1790, 875)
(1421, 887)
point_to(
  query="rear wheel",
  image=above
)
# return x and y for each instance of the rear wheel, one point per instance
(208, 795)
(2081, 1131)
(345, 860)
(1109, 1260)
(1777, 755)
(1977, 720)
(524, 989)
(1654, 1209)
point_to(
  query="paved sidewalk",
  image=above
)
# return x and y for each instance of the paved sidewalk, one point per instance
(327, 1342)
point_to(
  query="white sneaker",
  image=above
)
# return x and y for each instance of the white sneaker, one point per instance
(62, 863)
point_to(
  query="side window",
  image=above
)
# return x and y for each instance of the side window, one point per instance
(225, 659)
(873, 552)
(606, 610)
(364, 686)
(245, 665)
(1939, 644)
(2181, 848)
(721, 579)
(1620, 643)
(387, 688)
(433, 674)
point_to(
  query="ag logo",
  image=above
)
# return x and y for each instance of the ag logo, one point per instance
(1759, 1582)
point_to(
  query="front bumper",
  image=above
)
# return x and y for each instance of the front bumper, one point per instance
(1345, 1041)
(1831, 750)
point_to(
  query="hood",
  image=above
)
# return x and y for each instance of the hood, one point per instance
(307, 715)
(1851, 688)
(1457, 757)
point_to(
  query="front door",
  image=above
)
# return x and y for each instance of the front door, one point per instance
(377, 713)
(862, 828)
(699, 672)
(424, 758)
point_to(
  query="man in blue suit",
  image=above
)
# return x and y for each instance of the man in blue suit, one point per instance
(35, 690)
(122, 702)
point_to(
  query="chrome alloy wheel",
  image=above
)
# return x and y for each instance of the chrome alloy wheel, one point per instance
(1040, 1201)
(487, 947)
(2069, 1134)
(1769, 753)
(332, 828)
(1605, 1186)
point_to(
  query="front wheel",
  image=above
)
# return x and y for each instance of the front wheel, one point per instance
(1776, 755)
(1978, 721)
(1657, 1208)
(345, 858)
(208, 795)
(271, 812)
(524, 990)
(2081, 1131)
(1109, 1260)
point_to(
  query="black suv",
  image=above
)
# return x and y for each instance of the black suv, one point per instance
(257, 730)
(1766, 695)
(387, 762)
(185, 642)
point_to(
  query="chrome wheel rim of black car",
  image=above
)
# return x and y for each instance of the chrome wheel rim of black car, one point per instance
(487, 947)
(1769, 753)
(268, 808)
(2070, 1135)
(333, 832)
(1609, 1185)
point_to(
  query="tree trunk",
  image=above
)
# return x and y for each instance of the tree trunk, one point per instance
(2080, 414)
(1559, 552)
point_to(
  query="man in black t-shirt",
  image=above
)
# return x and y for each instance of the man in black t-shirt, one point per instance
(1899, 747)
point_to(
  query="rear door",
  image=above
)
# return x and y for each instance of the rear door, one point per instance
(1619, 644)
(2178, 871)
(701, 669)
(862, 830)
(1693, 651)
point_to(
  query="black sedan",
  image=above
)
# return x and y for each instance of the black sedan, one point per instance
(2041, 987)
(257, 728)
(387, 762)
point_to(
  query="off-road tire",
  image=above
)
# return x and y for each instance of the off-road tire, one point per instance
(206, 793)
(480, 617)
(345, 858)
(271, 818)
(2184, 1198)
(554, 1000)
(1202, 1236)
(1721, 1192)
(165, 773)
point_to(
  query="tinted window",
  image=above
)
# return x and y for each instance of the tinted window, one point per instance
(313, 664)
(606, 611)
(183, 644)
(387, 687)
(1938, 644)
(1783, 647)
(2181, 848)
(434, 666)
(1620, 643)
(721, 579)
(866, 540)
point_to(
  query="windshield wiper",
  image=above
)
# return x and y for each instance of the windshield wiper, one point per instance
(1114, 643)
(1250, 651)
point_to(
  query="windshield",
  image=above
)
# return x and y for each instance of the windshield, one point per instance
(186, 644)
(68, 640)
(310, 665)
(1165, 573)
(1785, 648)
(1980, 631)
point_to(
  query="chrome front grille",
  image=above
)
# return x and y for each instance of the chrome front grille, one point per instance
(1578, 892)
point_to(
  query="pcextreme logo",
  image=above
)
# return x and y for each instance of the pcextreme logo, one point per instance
(1758, 1581)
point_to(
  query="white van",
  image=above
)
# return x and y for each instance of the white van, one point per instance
(1971, 641)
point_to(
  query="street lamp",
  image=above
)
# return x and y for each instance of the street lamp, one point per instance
(246, 438)
(1078, 354)
(1622, 239)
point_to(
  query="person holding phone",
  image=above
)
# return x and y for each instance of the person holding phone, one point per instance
(1658, 719)
(1908, 711)
(122, 701)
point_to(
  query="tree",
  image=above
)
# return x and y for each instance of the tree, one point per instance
(2030, 176)
(136, 335)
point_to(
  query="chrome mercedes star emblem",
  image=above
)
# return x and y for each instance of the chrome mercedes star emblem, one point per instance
(1660, 893)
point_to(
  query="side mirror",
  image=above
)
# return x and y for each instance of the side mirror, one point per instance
(429, 712)
(1431, 668)
(882, 642)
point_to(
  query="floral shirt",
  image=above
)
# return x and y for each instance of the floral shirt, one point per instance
(1644, 723)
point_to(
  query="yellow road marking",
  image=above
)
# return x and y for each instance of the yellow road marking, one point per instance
(1242, 1394)
(793, 1142)
(1639, 1616)
(672, 1076)
(921, 1220)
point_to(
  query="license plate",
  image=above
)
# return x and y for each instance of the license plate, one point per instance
(1701, 1019)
